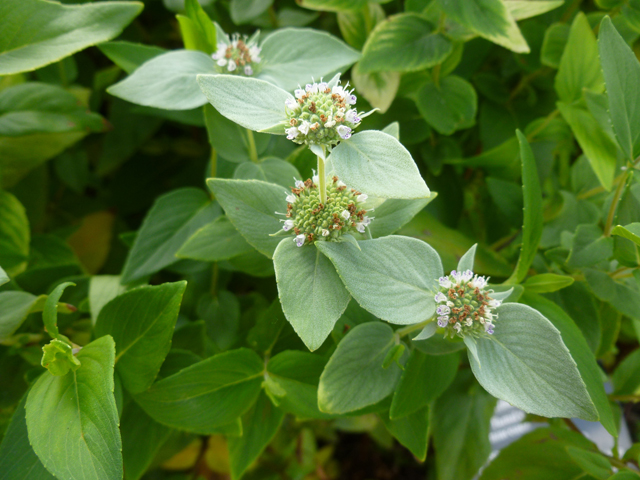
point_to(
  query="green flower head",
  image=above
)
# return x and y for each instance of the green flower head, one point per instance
(58, 358)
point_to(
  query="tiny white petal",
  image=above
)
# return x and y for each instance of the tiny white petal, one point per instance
(325, 232)
(344, 132)
(443, 321)
(443, 310)
(288, 225)
(232, 66)
(299, 183)
(222, 62)
(248, 70)
(362, 197)
(299, 239)
(345, 214)
(440, 297)
(291, 198)
(299, 93)
(304, 127)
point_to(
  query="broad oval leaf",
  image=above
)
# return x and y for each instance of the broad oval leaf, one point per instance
(526, 364)
(270, 169)
(89, 445)
(35, 33)
(167, 81)
(172, 220)
(216, 241)
(14, 234)
(141, 321)
(377, 164)
(313, 297)
(255, 104)
(404, 43)
(449, 106)
(207, 395)
(251, 205)
(15, 308)
(290, 56)
(354, 377)
(393, 277)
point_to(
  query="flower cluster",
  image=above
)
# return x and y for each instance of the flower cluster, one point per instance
(464, 305)
(312, 221)
(321, 114)
(239, 57)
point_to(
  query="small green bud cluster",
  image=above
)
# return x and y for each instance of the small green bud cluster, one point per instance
(321, 115)
(465, 306)
(312, 221)
(58, 358)
(238, 57)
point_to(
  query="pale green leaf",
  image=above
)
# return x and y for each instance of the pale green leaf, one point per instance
(141, 321)
(89, 445)
(35, 33)
(378, 88)
(103, 289)
(243, 11)
(312, 295)
(219, 240)
(270, 169)
(548, 282)
(630, 232)
(448, 106)
(466, 261)
(521, 9)
(392, 277)
(129, 56)
(526, 364)
(377, 164)
(15, 308)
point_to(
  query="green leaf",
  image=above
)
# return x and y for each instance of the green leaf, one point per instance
(394, 213)
(50, 312)
(36, 33)
(489, 19)
(621, 297)
(589, 247)
(591, 462)
(555, 39)
(103, 289)
(332, 5)
(377, 164)
(298, 374)
(252, 103)
(14, 234)
(548, 282)
(312, 295)
(354, 377)
(589, 369)
(630, 232)
(219, 240)
(15, 308)
(142, 438)
(58, 358)
(290, 57)
(424, 379)
(625, 475)
(598, 147)
(251, 206)
(259, 426)
(579, 66)
(18, 461)
(626, 377)
(392, 277)
(270, 169)
(404, 43)
(460, 421)
(243, 11)
(539, 454)
(466, 261)
(532, 226)
(211, 393)
(448, 106)
(521, 9)
(514, 369)
(356, 25)
(141, 321)
(174, 218)
(378, 88)
(411, 431)
(4, 278)
(202, 28)
(621, 75)
(129, 56)
(89, 445)
(167, 81)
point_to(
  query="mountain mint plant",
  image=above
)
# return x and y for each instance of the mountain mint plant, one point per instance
(244, 248)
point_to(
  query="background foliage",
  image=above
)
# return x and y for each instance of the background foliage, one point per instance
(189, 367)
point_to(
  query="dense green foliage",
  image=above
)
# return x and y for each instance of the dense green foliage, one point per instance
(214, 265)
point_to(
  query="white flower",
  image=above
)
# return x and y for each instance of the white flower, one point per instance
(299, 183)
(304, 127)
(338, 90)
(344, 131)
(494, 303)
(299, 239)
(351, 99)
(440, 297)
(443, 310)
(352, 116)
(443, 321)
(469, 322)
(291, 133)
(248, 70)
(231, 66)
(291, 198)
(488, 328)
(291, 104)
(254, 51)
(322, 86)
(299, 93)
(325, 232)
(360, 227)
(366, 220)
(315, 179)
(222, 62)
(450, 304)
(445, 282)
(288, 225)
(312, 88)
(467, 275)
(330, 122)
(345, 214)
(362, 197)
(479, 282)
(341, 184)
(457, 326)
(457, 276)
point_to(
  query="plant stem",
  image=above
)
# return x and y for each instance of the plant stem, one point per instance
(253, 152)
(413, 328)
(543, 125)
(625, 398)
(614, 204)
(322, 181)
